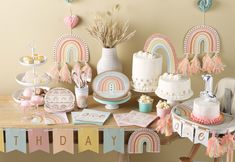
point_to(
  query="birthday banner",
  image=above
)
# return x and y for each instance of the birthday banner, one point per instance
(88, 139)
(63, 140)
(114, 140)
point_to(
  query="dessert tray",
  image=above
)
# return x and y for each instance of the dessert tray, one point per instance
(183, 113)
(33, 64)
(111, 85)
(59, 100)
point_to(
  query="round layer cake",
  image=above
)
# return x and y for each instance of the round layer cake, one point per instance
(206, 111)
(146, 69)
(174, 87)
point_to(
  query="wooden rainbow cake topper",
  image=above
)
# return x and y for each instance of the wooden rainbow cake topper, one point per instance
(159, 41)
(144, 136)
(70, 46)
(111, 84)
(201, 39)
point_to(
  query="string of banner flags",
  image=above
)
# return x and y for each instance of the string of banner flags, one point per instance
(15, 139)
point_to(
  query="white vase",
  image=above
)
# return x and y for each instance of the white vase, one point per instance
(109, 61)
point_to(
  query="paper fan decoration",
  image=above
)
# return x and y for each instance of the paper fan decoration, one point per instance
(70, 47)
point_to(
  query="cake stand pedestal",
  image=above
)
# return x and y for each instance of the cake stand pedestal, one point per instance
(112, 105)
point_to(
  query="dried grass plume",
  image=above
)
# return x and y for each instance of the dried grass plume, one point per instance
(108, 29)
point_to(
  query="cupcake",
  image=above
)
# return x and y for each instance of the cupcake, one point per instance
(163, 108)
(145, 104)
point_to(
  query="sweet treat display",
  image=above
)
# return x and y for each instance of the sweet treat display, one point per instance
(206, 108)
(146, 69)
(35, 59)
(145, 103)
(162, 109)
(35, 78)
(174, 87)
(206, 111)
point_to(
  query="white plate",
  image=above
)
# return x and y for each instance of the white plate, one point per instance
(20, 76)
(111, 85)
(32, 65)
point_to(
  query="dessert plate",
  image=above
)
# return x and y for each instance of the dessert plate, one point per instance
(59, 100)
(111, 85)
(33, 64)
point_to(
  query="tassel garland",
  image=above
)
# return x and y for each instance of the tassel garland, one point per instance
(184, 66)
(195, 65)
(214, 149)
(54, 72)
(65, 75)
(164, 125)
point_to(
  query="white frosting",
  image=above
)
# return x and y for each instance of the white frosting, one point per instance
(146, 69)
(174, 87)
(206, 109)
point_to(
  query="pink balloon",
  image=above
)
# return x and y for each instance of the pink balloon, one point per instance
(25, 104)
(71, 21)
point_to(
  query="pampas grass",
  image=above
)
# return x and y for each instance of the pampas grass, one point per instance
(108, 29)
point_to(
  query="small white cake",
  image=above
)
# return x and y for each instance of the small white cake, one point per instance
(206, 111)
(146, 69)
(174, 87)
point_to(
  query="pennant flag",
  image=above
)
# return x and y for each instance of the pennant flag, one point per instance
(16, 140)
(63, 140)
(177, 126)
(2, 147)
(188, 131)
(113, 140)
(88, 139)
(38, 140)
(201, 136)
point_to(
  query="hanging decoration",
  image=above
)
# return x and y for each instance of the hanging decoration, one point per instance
(69, 50)
(201, 39)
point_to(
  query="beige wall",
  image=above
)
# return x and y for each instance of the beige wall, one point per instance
(42, 20)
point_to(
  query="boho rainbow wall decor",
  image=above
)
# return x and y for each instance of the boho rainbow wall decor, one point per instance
(143, 137)
(159, 41)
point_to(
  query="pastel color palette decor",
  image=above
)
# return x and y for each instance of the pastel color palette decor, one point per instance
(143, 136)
(70, 47)
(159, 41)
(201, 34)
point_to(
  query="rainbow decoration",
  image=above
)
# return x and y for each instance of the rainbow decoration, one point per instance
(201, 34)
(111, 81)
(159, 41)
(143, 136)
(70, 47)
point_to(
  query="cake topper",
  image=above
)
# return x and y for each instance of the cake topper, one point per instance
(208, 91)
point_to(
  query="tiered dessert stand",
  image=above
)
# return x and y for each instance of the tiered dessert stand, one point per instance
(45, 79)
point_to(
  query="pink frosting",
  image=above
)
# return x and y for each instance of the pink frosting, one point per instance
(207, 121)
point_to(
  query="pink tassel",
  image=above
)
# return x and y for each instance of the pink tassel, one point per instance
(184, 66)
(228, 146)
(164, 125)
(65, 75)
(195, 65)
(88, 72)
(77, 69)
(214, 149)
(207, 64)
(218, 65)
(54, 72)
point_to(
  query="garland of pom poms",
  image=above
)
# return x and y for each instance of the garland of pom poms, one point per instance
(218, 146)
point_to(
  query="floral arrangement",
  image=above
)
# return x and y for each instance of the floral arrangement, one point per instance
(109, 29)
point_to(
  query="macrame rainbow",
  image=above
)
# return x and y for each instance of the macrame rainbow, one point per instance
(159, 41)
(115, 82)
(70, 47)
(201, 34)
(144, 136)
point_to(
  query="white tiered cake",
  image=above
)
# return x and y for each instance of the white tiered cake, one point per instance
(146, 69)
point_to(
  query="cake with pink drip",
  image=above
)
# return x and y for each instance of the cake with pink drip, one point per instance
(206, 108)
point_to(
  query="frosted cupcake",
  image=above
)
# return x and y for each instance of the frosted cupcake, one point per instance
(163, 109)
